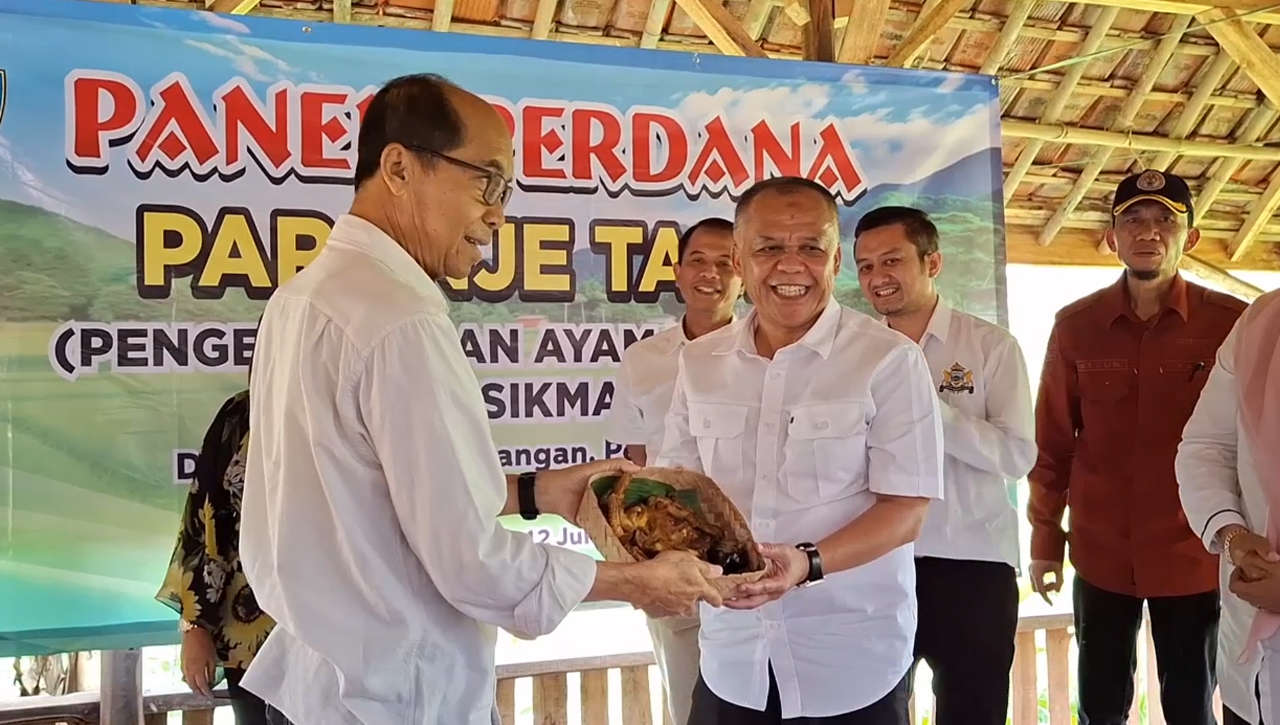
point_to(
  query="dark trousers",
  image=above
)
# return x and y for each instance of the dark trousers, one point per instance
(1185, 633)
(967, 622)
(707, 709)
(1230, 718)
(248, 707)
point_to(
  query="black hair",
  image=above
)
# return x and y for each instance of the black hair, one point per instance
(715, 224)
(413, 110)
(786, 185)
(920, 229)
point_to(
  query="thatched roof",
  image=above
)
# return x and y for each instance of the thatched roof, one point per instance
(1090, 90)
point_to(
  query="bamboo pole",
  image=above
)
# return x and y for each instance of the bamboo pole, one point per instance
(1058, 133)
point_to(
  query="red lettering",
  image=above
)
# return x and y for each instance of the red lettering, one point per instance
(537, 140)
(320, 130)
(648, 129)
(93, 127)
(833, 166)
(244, 122)
(177, 130)
(602, 154)
(719, 160)
(770, 156)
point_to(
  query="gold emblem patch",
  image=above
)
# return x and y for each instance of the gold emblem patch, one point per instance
(957, 379)
(1151, 181)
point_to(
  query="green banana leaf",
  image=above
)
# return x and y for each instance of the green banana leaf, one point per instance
(642, 489)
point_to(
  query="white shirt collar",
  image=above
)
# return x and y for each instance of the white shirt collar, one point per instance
(819, 338)
(360, 234)
(939, 322)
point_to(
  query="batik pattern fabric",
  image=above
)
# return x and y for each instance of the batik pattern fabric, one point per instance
(205, 583)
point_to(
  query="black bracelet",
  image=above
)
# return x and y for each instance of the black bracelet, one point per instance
(524, 492)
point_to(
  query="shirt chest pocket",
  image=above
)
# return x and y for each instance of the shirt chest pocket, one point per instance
(826, 451)
(1100, 389)
(718, 428)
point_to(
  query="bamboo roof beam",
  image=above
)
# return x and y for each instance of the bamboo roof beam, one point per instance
(232, 7)
(723, 29)
(442, 16)
(1259, 215)
(819, 32)
(860, 38)
(341, 11)
(932, 19)
(1009, 35)
(1221, 277)
(1194, 109)
(1251, 52)
(753, 22)
(1061, 133)
(544, 16)
(1059, 100)
(1124, 122)
(1184, 7)
(1258, 123)
(1111, 89)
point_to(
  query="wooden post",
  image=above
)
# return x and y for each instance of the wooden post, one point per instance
(121, 688)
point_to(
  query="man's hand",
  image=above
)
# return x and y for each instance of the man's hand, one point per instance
(1039, 570)
(199, 660)
(559, 491)
(1250, 553)
(785, 568)
(672, 583)
(1261, 593)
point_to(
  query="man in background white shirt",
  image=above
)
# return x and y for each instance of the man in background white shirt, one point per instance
(373, 488)
(642, 395)
(967, 554)
(1224, 498)
(823, 428)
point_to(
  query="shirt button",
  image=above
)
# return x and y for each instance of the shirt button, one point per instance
(823, 425)
(768, 426)
(706, 423)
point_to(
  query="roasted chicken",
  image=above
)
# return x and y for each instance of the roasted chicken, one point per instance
(663, 524)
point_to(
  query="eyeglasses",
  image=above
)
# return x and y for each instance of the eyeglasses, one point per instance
(497, 190)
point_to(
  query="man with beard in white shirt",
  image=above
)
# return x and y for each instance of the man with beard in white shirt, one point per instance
(967, 554)
(372, 489)
(642, 395)
(821, 425)
(1228, 469)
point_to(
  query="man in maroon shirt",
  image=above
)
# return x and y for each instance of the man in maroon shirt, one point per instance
(1122, 374)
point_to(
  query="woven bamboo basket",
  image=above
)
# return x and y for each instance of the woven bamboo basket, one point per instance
(716, 508)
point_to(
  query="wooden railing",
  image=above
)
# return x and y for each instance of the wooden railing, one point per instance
(590, 691)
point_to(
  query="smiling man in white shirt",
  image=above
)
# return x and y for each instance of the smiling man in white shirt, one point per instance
(822, 426)
(642, 395)
(967, 554)
(372, 487)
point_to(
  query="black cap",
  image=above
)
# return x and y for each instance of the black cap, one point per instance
(1168, 189)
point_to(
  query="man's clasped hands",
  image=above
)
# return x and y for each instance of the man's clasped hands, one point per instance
(1255, 577)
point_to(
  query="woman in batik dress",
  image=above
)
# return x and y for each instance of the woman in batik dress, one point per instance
(222, 626)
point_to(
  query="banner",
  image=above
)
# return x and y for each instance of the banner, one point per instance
(162, 171)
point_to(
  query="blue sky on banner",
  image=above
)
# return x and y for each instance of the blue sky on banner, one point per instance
(903, 126)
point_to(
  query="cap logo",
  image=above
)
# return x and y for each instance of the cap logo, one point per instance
(1151, 181)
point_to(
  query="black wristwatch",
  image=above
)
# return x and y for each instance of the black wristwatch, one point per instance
(524, 491)
(815, 564)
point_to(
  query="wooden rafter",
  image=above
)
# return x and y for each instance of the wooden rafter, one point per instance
(1194, 109)
(1061, 133)
(442, 16)
(862, 31)
(1251, 52)
(653, 24)
(233, 7)
(1102, 24)
(1123, 123)
(1222, 277)
(544, 15)
(1259, 214)
(1258, 123)
(756, 18)
(722, 28)
(341, 11)
(1009, 34)
(1184, 7)
(819, 32)
(933, 18)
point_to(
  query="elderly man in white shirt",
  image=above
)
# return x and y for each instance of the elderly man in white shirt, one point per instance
(642, 395)
(373, 487)
(967, 554)
(1228, 489)
(822, 426)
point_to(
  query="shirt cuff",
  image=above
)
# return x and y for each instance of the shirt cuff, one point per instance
(1049, 545)
(567, 580)
(1216, 523)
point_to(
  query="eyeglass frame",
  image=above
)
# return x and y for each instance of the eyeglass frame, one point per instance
(497, 190)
